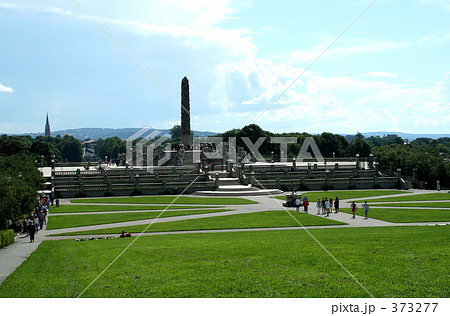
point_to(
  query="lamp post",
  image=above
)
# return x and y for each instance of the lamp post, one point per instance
(327, 177)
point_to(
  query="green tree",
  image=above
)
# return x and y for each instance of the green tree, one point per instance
(175, 133)
(19, 181)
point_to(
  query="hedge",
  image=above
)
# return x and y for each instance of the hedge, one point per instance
(6, 237)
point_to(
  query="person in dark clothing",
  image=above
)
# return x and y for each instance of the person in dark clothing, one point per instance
(31, 231)
(57, 202)
(336, 205)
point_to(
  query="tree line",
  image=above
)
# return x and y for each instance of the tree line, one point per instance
(66, 148)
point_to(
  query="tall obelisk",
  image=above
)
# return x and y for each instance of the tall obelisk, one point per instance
(186, 138)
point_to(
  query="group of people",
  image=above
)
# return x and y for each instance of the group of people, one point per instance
(325, 206)
(36, 220)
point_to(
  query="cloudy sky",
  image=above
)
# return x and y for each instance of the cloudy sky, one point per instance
(245, 60)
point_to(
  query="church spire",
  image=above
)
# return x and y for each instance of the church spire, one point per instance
(47, 128)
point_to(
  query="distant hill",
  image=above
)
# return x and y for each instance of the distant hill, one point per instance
(407, 136)
(124, 133)
(96, 133)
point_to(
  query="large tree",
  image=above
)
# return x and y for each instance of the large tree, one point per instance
(19, 181)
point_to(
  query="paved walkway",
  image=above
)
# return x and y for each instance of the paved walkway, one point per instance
(12, 256)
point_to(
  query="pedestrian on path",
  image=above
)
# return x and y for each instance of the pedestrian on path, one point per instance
(336, 205)
(57, 202)
(327, 207)
(31, 231)
(318, 206)
(366, 208)
(297, 204)
(438, 185)
(305, 204)
(354, 208)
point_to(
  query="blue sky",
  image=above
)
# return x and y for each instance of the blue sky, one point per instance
(390, 71)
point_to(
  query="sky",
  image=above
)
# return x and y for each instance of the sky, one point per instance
(286, 65)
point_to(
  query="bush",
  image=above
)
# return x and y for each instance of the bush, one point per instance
(6, 237)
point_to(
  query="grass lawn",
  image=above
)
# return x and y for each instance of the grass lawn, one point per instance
(110, 208)
(416, 197)
(415, 204)
(343, 195)
(65, 221)
(168, 200)
(404, 215)
(249, 220)
(388, 261)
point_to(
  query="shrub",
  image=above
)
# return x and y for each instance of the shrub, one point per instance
(6, 237)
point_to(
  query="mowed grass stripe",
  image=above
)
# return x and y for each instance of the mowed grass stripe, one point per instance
(111, 208)
(66, 221)
(250, 220)
(404, 215)
(415, 197)
(415, 204)
(344, 195)
(167, 200)
(390, 262)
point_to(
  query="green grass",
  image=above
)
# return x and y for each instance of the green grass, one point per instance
(111, 208)
(390, 262)
(416, 204)
(344, 195)
(168, 200)
(66, 221)
(249, 220)
(416, 197)
(404, 215)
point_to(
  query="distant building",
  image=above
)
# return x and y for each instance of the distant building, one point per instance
(47, 128)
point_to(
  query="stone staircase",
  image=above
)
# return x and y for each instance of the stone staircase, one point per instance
(231, 187)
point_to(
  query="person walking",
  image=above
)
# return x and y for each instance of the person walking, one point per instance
(331, 205)
(31, 231)
(438, 185)
(366, 208)
(318, 206)
(327, 207)
(297, 204)
(305, 204)
(336, 205)
(323, 206)
(354, 208)
(57, 202)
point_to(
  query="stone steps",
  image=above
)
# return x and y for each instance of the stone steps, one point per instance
(238, 190)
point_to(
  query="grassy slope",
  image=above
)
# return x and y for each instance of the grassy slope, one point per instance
(404, 215)
(388, 261)
(65, 221)
(112, 208)
(250, 220)
(168, 200)
(343, 195)
(415, 204)
(417, 197)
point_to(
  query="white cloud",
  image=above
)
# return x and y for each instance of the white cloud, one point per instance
(5, 88)
(350, 47)
(441, 3)
(379, 74)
